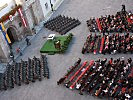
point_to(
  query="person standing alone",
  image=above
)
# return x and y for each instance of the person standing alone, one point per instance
(27, 41)
(123, 8)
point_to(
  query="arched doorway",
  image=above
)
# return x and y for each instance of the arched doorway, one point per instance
(11, 33)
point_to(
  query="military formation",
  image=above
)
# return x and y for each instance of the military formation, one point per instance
(62, 24)
(24, 72)
(102, 78)
(110, 44)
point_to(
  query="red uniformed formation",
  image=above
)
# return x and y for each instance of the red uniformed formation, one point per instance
(121, 22)
(102, 78)
(108, 44)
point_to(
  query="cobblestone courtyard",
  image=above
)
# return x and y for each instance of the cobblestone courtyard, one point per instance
(59, 63)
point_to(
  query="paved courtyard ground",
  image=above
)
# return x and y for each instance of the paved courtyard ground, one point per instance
(59, 63)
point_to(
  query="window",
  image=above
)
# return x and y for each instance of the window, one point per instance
(20, 24)
(46, 5)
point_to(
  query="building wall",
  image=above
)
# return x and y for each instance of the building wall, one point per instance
(2, 56)
(4, 49)
(46, 7)
(33, 12)
(37, 11)
(29, 18)
(18, 2)
(20, 32)
(55, 2)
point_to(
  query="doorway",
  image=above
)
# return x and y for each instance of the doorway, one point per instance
(11, 33)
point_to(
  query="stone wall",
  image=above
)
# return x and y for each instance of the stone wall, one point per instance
(4, 49)
(33, 13)
(37, 11)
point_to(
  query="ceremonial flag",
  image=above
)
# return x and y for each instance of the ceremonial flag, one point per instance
(2, 28)
(22, 17)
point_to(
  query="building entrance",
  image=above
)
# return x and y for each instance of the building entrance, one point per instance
(11, 33)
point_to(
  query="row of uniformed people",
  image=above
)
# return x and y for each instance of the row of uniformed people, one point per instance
(69, 72)
(112, 23)
(112, 44)
(92, 25)
(61, 24)
(89, 43)
(25, 71)
(45, 66)
(116, 23)
(120, 44)
(59, 20)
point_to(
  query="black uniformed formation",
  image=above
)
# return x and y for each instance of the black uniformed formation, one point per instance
(121, 22)
(24, 72)
(102, 78)
(111, 44)
(62, 24)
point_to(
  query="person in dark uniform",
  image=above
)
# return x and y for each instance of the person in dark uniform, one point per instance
(52, 7)
(78, 62)
(123, 8)
(27, 41)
